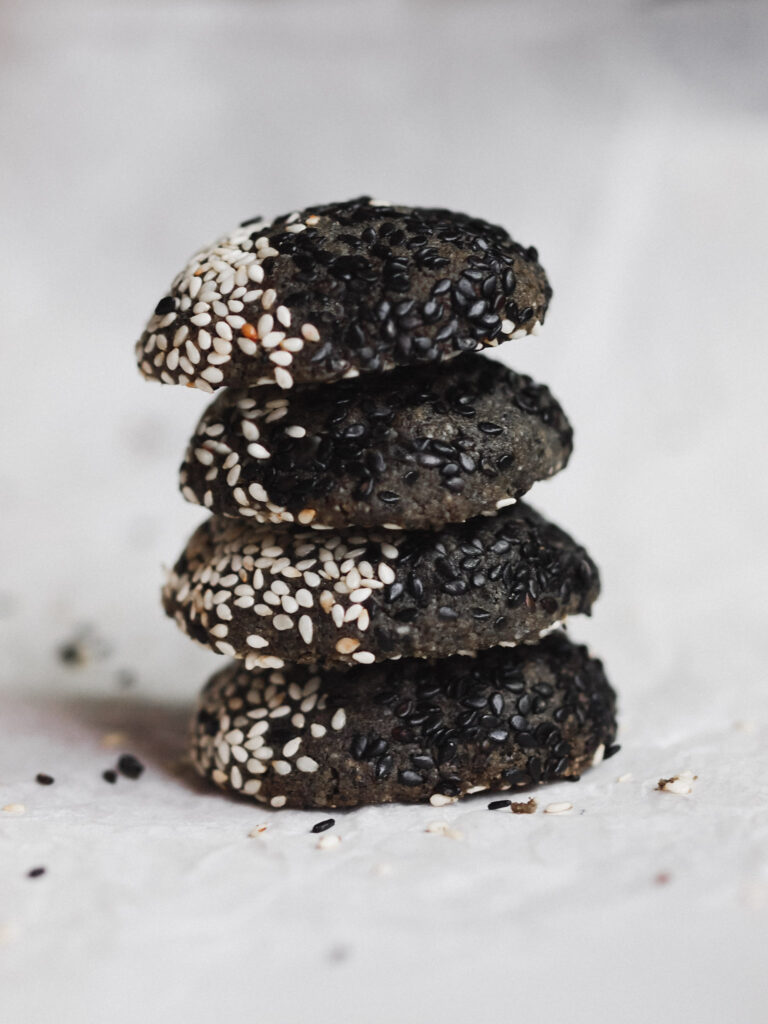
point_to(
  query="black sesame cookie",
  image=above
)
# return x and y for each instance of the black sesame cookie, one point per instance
(337, 290)
(406, 730)
(417, 447)
(275, 594)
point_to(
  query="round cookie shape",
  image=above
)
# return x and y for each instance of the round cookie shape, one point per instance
(417, 447)
(403, 731)
(279, 594)
(337, 290)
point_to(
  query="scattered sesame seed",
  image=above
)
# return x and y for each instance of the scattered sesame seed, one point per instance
(562, 807)
(324, 825)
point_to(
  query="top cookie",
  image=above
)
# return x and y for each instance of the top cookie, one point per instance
(338, 290)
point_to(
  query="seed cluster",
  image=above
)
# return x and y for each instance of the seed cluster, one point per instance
(412, 448)
(337, 290)
(279, 594)
(405, 730)
(367, 561)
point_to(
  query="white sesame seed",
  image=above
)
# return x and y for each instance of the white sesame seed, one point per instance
(278, 801)
(254, 640)
(282, 622)
(364, 657)
(212, 374)
(563, 807)
(317, 730)
(441, 800)
(295, 431)
(282, 767)
(386, 573)
(306, 629)
(306, 764)
(283, 379)
(246, 346)
(310, 332)
(339, 720)
(292, 746)
(269, 296)
(258, 451)
(281, 358)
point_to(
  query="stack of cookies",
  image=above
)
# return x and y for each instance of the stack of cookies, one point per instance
(384, 595)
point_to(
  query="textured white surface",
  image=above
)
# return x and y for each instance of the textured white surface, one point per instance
(629, 142)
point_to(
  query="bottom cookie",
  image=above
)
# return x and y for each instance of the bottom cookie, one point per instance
(402, 731)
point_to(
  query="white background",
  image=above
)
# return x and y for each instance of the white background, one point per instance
(629, 142)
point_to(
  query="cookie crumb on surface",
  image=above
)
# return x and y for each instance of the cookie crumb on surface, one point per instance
(679, 784)
(14, 808)
(130, 766)
(523, 806)
(328, 842)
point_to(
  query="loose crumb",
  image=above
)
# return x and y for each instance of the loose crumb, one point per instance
(523, 806)
(626, 777)
(130, 766)
(110, 740)
(328, 842)
(442, 828)
(259, 830)
(14, 808)
(110, 775)
(44, 780)
(679, 784)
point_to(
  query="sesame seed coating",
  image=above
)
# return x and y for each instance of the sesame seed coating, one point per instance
(376, 594)
(505, 719)
(417, 447)
(338, 290)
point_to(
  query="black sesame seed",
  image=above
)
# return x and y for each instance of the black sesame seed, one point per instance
(496, 805)
(35, 872)
(109, 775)
(165, 305)
(323, 826)
(43, 779)
(410, 778)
